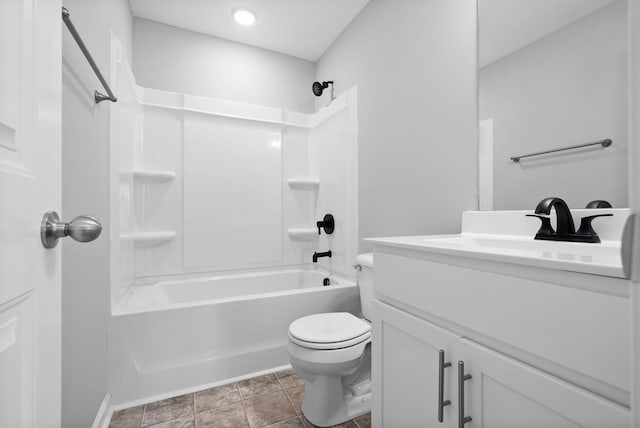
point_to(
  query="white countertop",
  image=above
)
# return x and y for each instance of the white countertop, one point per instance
(519, 247)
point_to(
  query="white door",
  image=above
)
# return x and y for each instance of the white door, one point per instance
(30, 92)
(505, 393)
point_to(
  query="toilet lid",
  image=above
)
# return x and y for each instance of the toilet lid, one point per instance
(328, 328)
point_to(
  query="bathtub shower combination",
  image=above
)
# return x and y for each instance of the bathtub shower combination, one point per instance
(212, 255)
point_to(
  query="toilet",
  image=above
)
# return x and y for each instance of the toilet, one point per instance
(332, 353)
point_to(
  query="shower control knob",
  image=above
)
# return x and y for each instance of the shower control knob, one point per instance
(83, 228)
(327, 224)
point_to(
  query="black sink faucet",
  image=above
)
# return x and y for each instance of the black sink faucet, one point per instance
(318, 255)
(564, 219)
(565, 229)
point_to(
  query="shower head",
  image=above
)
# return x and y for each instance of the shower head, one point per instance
(318, 87)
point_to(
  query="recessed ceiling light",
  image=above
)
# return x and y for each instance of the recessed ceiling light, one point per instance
(244, 16)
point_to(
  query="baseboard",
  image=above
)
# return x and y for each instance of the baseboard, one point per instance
(103, 417)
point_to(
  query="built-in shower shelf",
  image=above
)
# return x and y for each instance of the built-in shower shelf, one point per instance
(153, 176)
(149, 238)
(303, 183)
(303, 234)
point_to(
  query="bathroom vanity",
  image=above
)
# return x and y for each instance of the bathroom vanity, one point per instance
(498, 330)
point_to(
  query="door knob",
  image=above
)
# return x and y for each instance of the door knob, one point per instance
(83, 228)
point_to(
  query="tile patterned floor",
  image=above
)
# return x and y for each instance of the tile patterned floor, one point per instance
(273, 400)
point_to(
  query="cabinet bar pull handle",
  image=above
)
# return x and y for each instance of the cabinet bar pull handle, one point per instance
(441, 401)
(462, 419)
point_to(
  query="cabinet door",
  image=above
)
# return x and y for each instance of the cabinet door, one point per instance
(406, 353)
(505, 393)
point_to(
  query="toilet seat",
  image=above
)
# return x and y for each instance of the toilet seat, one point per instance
(331, 345)
(335, 330)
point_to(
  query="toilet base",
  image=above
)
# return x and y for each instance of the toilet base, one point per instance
(337, 382)
(325, 403)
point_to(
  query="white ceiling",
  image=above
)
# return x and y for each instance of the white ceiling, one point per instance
(507, 25)
(301, 28)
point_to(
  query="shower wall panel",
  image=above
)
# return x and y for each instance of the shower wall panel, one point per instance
(333, 153)
(211, 187)
(125, 137)
(232, 192)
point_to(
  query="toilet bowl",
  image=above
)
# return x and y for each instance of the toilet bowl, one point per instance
(332, 353)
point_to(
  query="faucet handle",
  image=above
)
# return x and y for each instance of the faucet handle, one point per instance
(545, 227)
(598, 204)
(587, 230)
(327, 223)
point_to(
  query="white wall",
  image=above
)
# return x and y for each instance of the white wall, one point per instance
(85, 178)
(414, 62)
(567, 88)
(177, 60)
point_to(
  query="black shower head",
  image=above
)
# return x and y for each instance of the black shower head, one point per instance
(318, 87)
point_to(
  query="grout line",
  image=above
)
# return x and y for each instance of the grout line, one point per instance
(244, 410)
(240, 392)
(291, 402)
(144, 410)
(280, 383)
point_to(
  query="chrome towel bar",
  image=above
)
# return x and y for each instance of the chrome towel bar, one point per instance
(99, 97)
(604, 143)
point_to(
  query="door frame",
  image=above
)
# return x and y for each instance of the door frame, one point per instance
(634, 196)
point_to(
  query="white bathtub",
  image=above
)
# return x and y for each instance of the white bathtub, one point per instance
(179, 335)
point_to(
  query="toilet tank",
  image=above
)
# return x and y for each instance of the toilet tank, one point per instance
(365, 283)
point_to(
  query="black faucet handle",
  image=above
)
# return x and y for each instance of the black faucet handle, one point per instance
(587, 230)
(598, 204)
(545, 227)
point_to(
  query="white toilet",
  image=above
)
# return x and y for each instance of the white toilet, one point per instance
(332, 353)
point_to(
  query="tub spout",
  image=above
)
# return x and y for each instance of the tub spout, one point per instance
(318, 255)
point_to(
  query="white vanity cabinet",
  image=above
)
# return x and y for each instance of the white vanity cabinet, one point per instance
(544, 349)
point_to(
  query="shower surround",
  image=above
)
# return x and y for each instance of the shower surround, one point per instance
(211, 259)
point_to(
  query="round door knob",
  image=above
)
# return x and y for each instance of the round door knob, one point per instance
(82, 229)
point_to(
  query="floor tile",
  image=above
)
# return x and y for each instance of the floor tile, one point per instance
(186, 422)
(127, 418)
(230, 416)
(364, 421)
(216, 397)
(295, 397)
(273, 401)
(289, 423)
(168, 409)
(260, 385)
(289, 379)
(268, 409)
